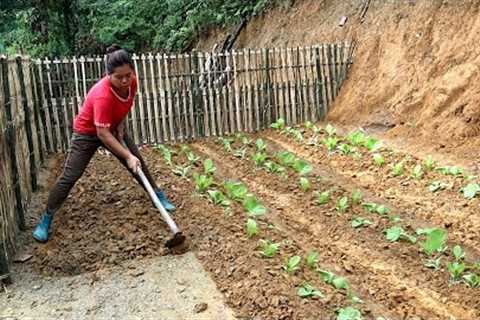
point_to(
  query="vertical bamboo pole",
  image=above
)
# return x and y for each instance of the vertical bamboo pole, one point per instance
(38, 105)
(230, 94)
(46, 112)
(162, 98)
(147, 80)
(192, 94)
(143, 130)
(53, 103)
(84, 77)
(249, 104)
(235, 55)
(184, 90)
(156, 111)
(168, 89)
(203, 85)
(211, 97)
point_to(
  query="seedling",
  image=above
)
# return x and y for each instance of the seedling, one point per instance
(184, 149)
(378, 159)
(260, 145)
(259, 158)
(472, 280)
(308, 125)
(356, 197)
(358, 222)
(302, 167)
(166, 153)
(456, 269)
(307, 291)
(471, 190)
(253, 207)
(379, 209)
(297, 135)
(292, 264)
(304, 184)
(218, 198)
(279, 124)
(323, 197)
(345, 149)
(208, 167)
(396, 233)
(246, 141)
(356, 138)
(273, 167)
(192, 158)
(251, 228)
(316, 130)
(202, 182)
(331, 130)
(428, 163)
(182, 171)
(435, 241)
(342, 204)
(349, 313)
(286, 158)
(330, 143)
(450, 170)
(435, 186)
(240, 153)
(311, 260)
(434, 263)
(397, 169)
(458, 253)
(373, 144)
(417, 172)
(236, 190)
(227, 144)
(269, 249)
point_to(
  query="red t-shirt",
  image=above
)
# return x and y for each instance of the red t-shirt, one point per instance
(103, 108)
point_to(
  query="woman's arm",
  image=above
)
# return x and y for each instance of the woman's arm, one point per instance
(116, 147)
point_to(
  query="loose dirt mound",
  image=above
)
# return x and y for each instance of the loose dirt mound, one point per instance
(416, 67)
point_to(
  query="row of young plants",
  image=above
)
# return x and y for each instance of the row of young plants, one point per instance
(227, 193)
(279, 164)
(434, 246)
(354, 142)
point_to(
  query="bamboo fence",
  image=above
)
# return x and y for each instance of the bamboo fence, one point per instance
(180, 98)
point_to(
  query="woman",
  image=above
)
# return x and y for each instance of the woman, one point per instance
(100, 123)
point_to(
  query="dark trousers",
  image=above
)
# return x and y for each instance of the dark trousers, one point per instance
(82, 149)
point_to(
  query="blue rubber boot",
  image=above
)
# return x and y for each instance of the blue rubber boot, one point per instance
(164, 201)
(41, 230)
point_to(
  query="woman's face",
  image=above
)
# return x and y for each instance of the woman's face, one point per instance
(122, 77)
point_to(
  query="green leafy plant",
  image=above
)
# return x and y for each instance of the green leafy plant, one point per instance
(218, 198)
(330, 130)
(456, 269)
(208, 167)
(330, 143)
(245, 141)
(253, 207)
(302, 167)
(182, 171)
(345, 149)
(304, 184)
(259, 158)
(297, 135)
(251, 228)
(184, 149)
(286, 158)
(472, 280)
(435, 241)
(269, 249)
(379, 209)
(358, 222)
(372, 144)
(202, 182)
(428, 163)
(260, 145)
(434, 263)
(311, 260)
(356, 197)
(417, 172)
(166, 153)
(378, 159)
(356, 138)
(323, 197)
(292, 264)
(308, 125)
(192, 158)
(279, 124)
(435, 186)
(397, 233)
(236, 190)
(332, 279)
(227, 144)
(471, 190)
(240, 153)
(458, 253)
(342, 204)
(307, 291)
(450, 170)
(349, 313)
(397, 169)
(273, 167)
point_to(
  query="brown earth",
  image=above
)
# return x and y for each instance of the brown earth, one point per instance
(415, 72)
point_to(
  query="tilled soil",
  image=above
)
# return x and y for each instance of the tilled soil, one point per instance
(109, 219)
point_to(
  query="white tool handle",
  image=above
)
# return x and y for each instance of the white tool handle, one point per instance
(157, 202)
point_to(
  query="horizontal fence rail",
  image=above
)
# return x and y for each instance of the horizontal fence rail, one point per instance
(180, 97)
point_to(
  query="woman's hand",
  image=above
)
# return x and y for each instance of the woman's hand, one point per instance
(133, 163)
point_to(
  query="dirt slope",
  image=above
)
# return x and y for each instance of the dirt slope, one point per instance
(415, 75)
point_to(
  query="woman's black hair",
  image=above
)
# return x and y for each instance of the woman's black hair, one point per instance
(117, 57)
